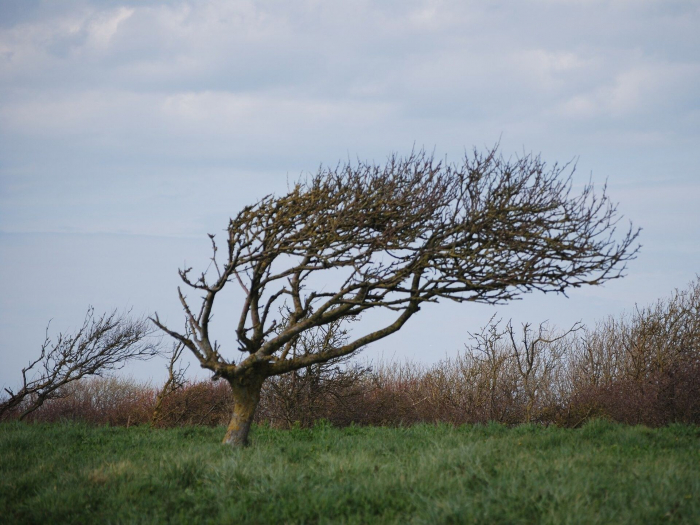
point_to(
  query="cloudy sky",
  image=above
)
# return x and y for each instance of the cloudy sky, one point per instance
(130, 129)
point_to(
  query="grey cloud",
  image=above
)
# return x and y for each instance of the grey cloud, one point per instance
(426, 57)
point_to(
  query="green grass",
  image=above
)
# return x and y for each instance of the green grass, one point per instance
(602, 473)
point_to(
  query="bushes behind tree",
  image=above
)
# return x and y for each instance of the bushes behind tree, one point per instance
(640, 368)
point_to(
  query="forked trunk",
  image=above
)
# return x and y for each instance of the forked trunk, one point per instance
(246, 396)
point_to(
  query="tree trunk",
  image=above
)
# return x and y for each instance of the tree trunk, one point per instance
(246, 396)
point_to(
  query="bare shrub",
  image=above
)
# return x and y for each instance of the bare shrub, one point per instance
(643, 367)
(391, 396)
(99, 401)
(324, 390)
(196, 403)
(499, 377)
(123, 402)
(321, 391)
(175, 381)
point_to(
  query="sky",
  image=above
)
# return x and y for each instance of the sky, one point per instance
(131, 129)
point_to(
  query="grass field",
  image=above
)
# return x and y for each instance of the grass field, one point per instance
(601, 473)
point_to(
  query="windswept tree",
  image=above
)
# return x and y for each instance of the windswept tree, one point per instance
(363, 237)
(103, 343)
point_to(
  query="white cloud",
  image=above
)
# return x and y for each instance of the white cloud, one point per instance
(649, 88)
(104, 27)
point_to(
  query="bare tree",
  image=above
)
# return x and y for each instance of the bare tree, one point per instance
(490, 369)
(537, 357)
(102, 344)
(392, 237)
